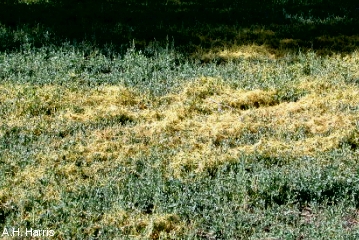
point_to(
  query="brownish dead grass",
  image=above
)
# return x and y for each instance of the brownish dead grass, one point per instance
(205, 124)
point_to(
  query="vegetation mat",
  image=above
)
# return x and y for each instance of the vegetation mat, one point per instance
(255, 148)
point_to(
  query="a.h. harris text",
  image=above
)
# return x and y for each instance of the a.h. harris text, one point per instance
(26, 232)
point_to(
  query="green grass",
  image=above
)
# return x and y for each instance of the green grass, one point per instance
(163, 147)
(149, 141)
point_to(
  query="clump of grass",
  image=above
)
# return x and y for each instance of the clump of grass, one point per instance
(351, 140)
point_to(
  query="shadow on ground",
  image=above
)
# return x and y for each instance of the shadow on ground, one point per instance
(324, 26)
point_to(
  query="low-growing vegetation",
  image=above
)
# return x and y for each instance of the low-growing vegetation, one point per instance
(255, 148)
(239, 142)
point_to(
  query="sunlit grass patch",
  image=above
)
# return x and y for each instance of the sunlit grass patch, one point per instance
(231, 53)
(206, 123)
(154, 226)
(116, 157)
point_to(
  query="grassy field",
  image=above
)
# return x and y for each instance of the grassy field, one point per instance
(241, 141)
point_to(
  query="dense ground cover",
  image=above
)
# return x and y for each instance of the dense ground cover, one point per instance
(240, 142)
(160, 147)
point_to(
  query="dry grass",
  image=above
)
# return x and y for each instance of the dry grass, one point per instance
(204, 124)
(234, 52)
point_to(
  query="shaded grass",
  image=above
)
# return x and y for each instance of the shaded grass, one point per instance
(197, 26)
